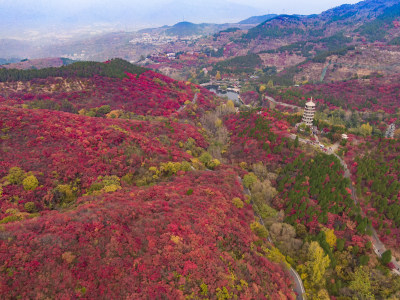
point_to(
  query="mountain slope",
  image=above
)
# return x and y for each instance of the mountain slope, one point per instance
(362, 18)
(257, 19)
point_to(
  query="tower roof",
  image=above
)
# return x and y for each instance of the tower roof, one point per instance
(310, 103)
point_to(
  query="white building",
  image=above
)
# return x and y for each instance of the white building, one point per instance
(309, 112)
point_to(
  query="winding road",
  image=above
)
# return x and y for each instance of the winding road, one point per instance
(299, 287)
(377, 245)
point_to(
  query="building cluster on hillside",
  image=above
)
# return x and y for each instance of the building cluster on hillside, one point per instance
(161, 39)
(153, 39)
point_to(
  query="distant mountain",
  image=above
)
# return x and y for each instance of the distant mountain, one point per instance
(258, 19)
(186, 29)
(10, 48)
(38, 63)
(375, 20)
(4, 61)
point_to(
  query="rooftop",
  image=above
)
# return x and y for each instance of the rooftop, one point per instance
(310, 103)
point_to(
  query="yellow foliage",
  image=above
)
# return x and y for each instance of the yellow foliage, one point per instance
(30, 207)
(365, 129)
(330, 237)
(154, 170)
(1, 191)
(30, 183)
(119, 129)
(66, 192)
(275, 255)
(262, 88)
(111, 188)
(259, 229)
(237, 202)
(176, 239)
(323, 295)
(15, 175)
(114, 114)
(243, 165)
(317, 264)
(230, 104)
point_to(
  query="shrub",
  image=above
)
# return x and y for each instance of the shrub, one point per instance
(127, 178)
(249, 180)
(213, 164)
(205, 158)
(364, 259)
(63, 194)
(386, 257)
(111, 188)
(259, 229)
(16, 175)
(237, 202)
(30, 183)
(30, 207)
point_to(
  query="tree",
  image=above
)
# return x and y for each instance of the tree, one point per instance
(218, 76)
(366, 130)
(386, 257)
(317, 264)
(15, 175)
(361, 283)
(249, 180)
(330, 237)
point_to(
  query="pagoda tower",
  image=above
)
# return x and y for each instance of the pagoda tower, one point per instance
(309, 112)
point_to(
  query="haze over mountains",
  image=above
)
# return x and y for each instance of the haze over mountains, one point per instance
(89, 43)
(17, 21)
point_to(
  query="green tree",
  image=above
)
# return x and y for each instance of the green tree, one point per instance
(386, 257)
(103, 110)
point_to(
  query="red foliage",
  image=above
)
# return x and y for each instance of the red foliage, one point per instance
(148, 94)
(155, 242)
(60, 148)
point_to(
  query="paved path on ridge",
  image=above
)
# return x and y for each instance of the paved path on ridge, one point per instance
(193, 101)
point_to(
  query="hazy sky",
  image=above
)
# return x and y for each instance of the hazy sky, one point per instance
(17, 17)
(274, 6)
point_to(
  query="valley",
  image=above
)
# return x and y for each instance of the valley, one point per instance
(178, 162)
